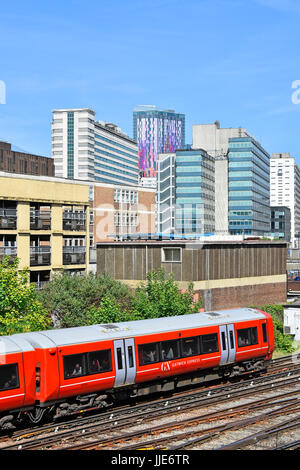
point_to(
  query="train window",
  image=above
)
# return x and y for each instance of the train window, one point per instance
(130, 357)
(170, 350)
(99, 361)
(74, 366)
(224, 345)
(9, 377)
(247, 337)
(189, 346)
(264, 332)
(209, 343)
(148, 353)
(231, 339)
(119, 358)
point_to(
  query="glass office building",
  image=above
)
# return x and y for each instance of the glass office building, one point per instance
(156, 131)
(195, 192)
(248, 187)
(281, 223)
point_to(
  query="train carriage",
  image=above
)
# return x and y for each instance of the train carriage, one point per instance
(69, 369)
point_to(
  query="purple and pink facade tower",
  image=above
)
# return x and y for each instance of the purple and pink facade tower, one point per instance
(156, 131)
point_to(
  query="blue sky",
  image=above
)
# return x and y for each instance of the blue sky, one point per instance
(227, 60)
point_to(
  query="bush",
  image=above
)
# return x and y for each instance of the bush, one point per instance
(282, 342)
(160, 297)
(74, 300)
(20, 310)
(86, 300)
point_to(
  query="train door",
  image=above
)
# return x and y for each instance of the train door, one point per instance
(130, 361)
(228, 347)
(125, 362)
(120, 365)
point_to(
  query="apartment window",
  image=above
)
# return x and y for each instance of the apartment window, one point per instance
(171, 255)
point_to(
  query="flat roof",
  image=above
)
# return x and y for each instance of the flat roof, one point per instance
(102, 332)
(190, 243)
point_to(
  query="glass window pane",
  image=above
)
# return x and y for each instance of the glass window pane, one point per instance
(247, 337)
(99, 361)
(9, 377)
(209, 343)
(74, 366)
(169, 350)
(119, 358)
(148, 353)
(264, 331)
(231, 339)
(130, 357)
(189, 347)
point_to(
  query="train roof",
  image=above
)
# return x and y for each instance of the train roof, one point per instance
(101, 332)
(9, 345)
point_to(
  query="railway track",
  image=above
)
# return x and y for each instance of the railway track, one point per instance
(110, 428)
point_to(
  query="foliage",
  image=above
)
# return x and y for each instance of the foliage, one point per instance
(282, 342)
(82, 300)
(20, 310)
(160, 297)
(109, 311)
(87, 300)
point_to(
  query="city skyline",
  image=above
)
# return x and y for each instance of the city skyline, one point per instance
(246, 78)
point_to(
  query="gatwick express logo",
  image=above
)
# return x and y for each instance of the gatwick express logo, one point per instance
(2, 92)
(165, 367)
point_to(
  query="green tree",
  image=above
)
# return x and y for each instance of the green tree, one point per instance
(82, 300)
(109, 311)
(160, 297)
(20, 310)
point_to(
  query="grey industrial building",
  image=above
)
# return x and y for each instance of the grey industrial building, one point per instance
(226, 274)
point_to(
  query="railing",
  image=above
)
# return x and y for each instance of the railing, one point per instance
(8, 251)
(8, 219)
(74, 254)
(74, 221)
(40, 220)
(40, 256)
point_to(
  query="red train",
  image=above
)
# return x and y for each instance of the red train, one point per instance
(57, 372)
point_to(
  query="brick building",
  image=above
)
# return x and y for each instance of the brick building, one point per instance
(120, 210)
(24, 163)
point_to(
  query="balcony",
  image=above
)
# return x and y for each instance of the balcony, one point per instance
(40, 256)
(8, 219)
(74, 254)
(74, 221)
(40, 220)
(8, 251)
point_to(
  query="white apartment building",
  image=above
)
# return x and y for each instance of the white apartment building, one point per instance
(214, 140)
(285, 190)
(166, 191)
(86, 149)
